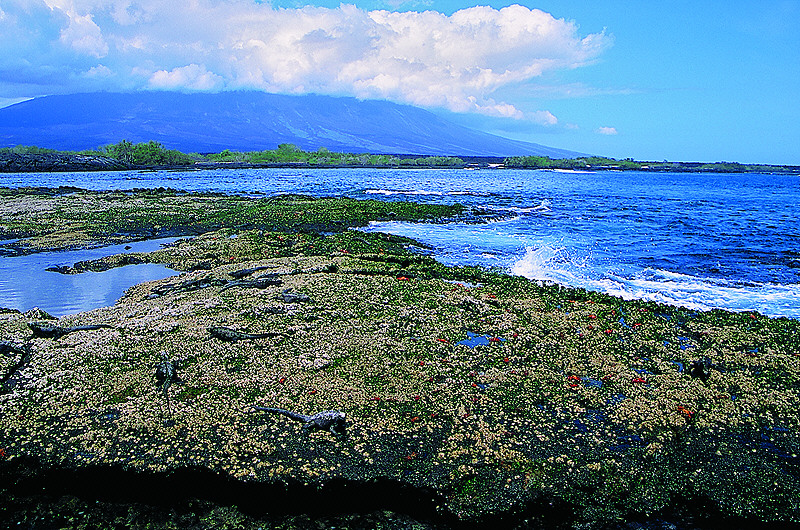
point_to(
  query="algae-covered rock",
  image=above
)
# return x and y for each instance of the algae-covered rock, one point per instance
(469, 396)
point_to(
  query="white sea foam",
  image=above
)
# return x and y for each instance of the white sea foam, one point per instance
(507, 209)
(424, 192)
(403, 192)
(543, 207)
(554, 264)
(569, 171)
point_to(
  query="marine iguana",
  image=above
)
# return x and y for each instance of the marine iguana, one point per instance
(262, 282)
(11, 349)
(186, 286)
(247, 272)
(328, 420)
(166, 374)
(292, 298)
(51, 331)
(231, 335)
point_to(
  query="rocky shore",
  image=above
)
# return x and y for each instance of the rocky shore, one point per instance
(56, 162)
(471, 397)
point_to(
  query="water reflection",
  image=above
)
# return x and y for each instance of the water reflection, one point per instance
(24, 283)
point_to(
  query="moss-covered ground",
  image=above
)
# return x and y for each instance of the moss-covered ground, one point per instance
(492, 392)
(60, 218)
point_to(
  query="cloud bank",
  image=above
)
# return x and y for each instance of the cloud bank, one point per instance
(422, 58)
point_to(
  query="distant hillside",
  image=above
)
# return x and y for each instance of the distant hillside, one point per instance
(247, 121)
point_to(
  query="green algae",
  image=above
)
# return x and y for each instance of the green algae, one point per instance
(62, 218)
(583, 398)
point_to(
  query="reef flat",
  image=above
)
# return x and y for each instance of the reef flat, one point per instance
(471, 396)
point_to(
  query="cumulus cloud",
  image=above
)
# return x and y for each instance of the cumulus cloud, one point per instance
(84, 36)
(99, 71)
(608, 131)
(191, 77)
(544, 117)
(422, 58)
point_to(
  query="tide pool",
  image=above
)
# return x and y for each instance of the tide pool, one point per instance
(25, 284)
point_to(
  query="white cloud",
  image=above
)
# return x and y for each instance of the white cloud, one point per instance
(99, 71)
(84, 36)
(575, 90)
(544, 117)
(191, 77)
(422, 58)
(608, 131)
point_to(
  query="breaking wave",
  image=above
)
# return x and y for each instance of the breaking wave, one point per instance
(556, 264)
(425, 192)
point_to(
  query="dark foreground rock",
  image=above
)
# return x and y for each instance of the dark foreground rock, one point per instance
(56, 162)
(195, 499)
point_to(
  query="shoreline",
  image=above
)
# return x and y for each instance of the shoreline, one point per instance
(64, 162)
(487, 394)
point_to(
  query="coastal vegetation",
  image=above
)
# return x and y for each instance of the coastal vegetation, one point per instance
(594, 163)
(127, 153)
(291, 154)
(145, 154)
(479, 396)
(152, 154)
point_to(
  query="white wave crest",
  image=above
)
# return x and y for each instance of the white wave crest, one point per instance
(424, 192)
(542, 207)
(557, 265)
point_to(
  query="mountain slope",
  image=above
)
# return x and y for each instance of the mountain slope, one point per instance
(247, 121)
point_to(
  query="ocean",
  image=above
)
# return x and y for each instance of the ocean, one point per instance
(697, 240)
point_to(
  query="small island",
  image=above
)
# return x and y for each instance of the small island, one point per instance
(470, 397)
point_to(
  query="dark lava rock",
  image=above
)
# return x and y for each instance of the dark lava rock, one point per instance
(29, 163)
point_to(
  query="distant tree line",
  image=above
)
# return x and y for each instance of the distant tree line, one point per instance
(589, 162)
(28, 150)
(145, 154)
(603, 163)
(290, 153)
(150, 154)
(130, 154)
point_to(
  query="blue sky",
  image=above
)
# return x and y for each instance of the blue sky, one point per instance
(680, 80)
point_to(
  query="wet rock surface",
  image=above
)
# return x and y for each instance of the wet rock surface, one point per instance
(470, 397)
(61, 218)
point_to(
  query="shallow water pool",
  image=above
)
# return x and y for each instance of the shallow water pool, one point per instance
(25, 284)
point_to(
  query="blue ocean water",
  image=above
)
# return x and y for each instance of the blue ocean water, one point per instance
(698, 240)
